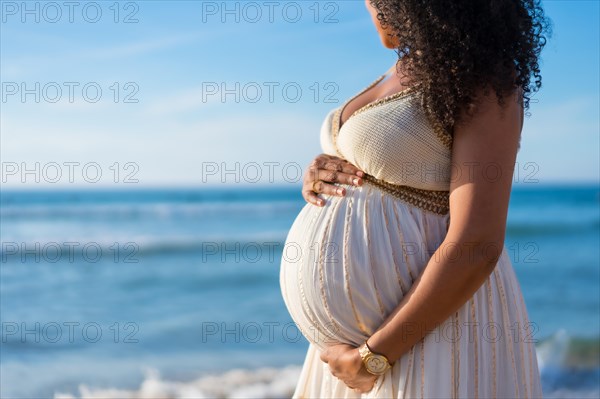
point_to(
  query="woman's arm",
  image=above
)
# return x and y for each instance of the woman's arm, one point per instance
(483, 157)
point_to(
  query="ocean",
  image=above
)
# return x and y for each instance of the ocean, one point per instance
(175, 292)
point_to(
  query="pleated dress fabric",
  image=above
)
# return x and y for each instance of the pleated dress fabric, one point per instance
(347, 265)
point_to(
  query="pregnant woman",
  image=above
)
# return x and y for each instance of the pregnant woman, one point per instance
(396, 270)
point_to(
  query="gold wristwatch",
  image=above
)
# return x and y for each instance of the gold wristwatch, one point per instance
(375, 363)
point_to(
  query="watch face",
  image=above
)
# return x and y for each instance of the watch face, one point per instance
(376, 363)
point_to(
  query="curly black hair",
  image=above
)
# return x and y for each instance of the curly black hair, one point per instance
(455, 48)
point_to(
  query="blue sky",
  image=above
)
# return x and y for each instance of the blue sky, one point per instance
(169, 56)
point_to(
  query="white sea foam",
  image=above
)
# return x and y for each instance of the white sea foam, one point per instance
(270, 382)
(265, 383)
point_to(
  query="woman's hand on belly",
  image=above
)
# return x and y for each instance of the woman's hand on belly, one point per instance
(346, 364)
(322, 172)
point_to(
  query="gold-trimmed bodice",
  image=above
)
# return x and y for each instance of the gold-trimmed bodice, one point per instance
(393, 141)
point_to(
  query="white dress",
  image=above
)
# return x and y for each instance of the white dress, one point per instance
(347, 265)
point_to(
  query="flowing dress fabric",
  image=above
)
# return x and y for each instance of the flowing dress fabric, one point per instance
(347, 265)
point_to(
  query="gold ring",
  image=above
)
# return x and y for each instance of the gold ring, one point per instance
(313, 185)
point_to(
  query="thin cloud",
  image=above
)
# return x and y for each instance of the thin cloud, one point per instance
(142, 47)
(17, 65)
(182, 101)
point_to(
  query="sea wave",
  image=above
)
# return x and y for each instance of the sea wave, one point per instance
(569, 368)
(566, 351)
(533, 228)
(138, 210)
(518, 225)
(265, 383)
(71, 249)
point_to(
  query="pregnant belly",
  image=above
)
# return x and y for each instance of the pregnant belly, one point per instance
(347, 265)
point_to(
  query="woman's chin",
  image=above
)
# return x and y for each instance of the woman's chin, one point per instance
(389, 44)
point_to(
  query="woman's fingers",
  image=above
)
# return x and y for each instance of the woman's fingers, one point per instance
(362, 387)
(334, 176)
(312, 188)
(321, 187)
(311, 197)
(328, 162)
(323, 172)
(341, 165)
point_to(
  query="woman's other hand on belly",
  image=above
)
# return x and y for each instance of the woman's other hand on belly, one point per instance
(325, 170)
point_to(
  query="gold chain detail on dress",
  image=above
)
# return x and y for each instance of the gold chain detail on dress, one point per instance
(430, 200)
(444, 136)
